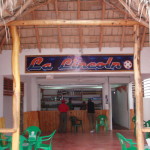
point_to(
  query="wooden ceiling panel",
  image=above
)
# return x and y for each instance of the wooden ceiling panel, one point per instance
(69, 31)
(91, 39)
(76, 36)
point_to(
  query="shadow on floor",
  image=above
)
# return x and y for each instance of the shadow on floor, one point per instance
(118, 127)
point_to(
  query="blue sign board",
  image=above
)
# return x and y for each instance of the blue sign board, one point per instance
(84, 63)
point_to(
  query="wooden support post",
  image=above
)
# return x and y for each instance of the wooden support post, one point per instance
(138, 90)
(16, 87)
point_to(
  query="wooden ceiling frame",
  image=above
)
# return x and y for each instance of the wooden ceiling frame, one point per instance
(102, 28)
(134, 16)
(2, 42)
(16, 74)
(123, 34)
(79, 27)
(37, 33)
(143, 38)
(58, 27)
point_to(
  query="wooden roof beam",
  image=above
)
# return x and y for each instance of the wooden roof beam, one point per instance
(114, 22)
(117, 8)
(79, 28)
(134, 16)
(143, 38)
(37, 34)
(102, 28)
(123, 35)
(2, 42)
(24, 11)
(58, 27)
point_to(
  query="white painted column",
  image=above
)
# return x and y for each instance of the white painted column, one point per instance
(130, 97)
(105, 95)
(34, 95)
(107, 104)
(25, 99)
(1, 96)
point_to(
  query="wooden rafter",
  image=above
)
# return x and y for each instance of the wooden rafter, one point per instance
(58, 27)
(102, 28)
(2, 42)
(134, 16)
(143, 38)
(123, 35)
(117, 8)
(79, 28)
(24, 11)
(37, 33)
(57, 22)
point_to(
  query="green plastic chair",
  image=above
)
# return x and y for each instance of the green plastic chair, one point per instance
(75, 123)
(33, 132)
(5, 142)
(134, 121)
(24, 145)
(40, 145)
(101, 121)
(147, 124)
(126, 144)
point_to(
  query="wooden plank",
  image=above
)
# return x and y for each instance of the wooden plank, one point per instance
(73, 22)
(2, 122)
(16, 87)
(30, 119)
(131, 116)
(138, 90)
(146, 129)
(51, 121)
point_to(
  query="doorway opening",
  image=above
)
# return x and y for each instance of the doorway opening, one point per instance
(120, 107)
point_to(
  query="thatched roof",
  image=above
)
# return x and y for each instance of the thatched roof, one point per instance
(74, 36)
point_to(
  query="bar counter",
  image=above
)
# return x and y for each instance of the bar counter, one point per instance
(49, 120)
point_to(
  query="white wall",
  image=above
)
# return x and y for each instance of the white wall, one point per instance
(6, 57)
(7, 106)
(146, 106)
(1, 96)
(32, 91)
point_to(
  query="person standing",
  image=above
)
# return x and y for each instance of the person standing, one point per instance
(63, 109)
(70, 104)
(91, 115)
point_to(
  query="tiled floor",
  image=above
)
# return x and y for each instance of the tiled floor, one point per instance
(88, 141)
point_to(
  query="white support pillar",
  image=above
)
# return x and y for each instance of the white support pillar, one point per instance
(34, 95)
(1, 95)
(105, 94)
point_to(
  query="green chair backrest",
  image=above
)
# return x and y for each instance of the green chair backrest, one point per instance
(147, 123)
(33, 132)
(73, 120)
(102, 120)
(126, 142)
(5, 142)
(22, 141)
(41, 139)
(134, 119)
